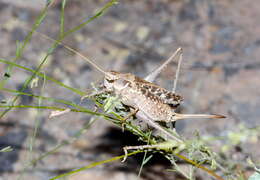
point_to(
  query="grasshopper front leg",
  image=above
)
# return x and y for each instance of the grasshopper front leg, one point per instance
(132, 113)
(96, 92)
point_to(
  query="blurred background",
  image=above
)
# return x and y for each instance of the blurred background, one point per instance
(220, 74)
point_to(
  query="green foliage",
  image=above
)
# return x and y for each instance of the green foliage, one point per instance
(6, 149)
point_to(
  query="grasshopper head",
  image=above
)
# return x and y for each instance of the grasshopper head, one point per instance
(116, 80)
(110, 78)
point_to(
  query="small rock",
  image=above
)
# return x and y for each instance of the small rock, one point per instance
(120, 27)
(142, 33)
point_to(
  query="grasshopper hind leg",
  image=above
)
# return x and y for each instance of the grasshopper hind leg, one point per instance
(153, 75)
(177, 73)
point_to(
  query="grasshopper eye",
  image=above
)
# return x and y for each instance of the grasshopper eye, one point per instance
(110, 80)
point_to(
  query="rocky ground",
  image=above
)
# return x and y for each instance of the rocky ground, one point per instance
(220, 74)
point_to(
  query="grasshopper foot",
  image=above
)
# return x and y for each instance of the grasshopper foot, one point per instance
(123, 126)
(125, 157)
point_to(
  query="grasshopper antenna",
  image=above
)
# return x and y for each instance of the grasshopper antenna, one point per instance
(75, 52)
(85, 58)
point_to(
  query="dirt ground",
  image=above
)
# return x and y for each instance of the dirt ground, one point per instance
(220, 75)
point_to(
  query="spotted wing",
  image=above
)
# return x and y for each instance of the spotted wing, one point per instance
(166, 96)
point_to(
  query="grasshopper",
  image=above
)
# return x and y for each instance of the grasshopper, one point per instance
(148, 101)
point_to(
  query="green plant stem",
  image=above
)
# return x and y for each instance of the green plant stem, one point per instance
(58, 109)
(44, 98)
(81, 93)
(94, 165)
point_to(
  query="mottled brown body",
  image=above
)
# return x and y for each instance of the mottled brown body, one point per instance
(150, 99)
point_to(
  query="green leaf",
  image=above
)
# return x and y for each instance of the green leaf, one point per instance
(6, 149)
(147, 159)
